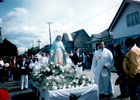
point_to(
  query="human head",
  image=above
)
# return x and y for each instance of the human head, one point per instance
(47, 55)
(43, 54)
(58, 37)
(14, 57)
(129, 42)
(70, 51)
(24, 58)
(35, 59)
(77, 50)
(117, 47)
(94, 50)
(101, 45)
(0, 58)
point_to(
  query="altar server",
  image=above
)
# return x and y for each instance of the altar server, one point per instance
(38, 56)
(101, 67)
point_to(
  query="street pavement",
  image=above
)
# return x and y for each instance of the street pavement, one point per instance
(14, 92)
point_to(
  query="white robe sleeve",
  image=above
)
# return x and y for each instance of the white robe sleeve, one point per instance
(94, 63)
(110, 64)
(31, 66)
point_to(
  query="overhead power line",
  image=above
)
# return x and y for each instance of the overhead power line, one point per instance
(93, 17)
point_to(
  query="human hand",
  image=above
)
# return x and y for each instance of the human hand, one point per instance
(104, 66)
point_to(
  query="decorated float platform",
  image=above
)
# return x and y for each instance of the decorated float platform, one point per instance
(58, 82)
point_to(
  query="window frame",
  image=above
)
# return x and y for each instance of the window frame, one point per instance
(132, 20)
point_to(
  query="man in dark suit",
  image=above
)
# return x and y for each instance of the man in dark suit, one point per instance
(24, 71)
(77, 58)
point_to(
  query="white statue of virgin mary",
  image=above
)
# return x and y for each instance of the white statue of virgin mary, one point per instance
(58, 54)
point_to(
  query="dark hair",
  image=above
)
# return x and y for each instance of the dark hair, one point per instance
(76, 49)
(38, 50)
(129, 41)
(34, 59)
(118, 45)
(101, 41)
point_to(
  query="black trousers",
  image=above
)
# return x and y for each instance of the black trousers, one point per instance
(134, 87)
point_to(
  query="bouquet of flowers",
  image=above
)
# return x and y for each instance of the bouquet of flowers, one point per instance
(4, 94)
(54, 77)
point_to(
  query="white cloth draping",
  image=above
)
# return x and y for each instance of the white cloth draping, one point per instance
(87, 93)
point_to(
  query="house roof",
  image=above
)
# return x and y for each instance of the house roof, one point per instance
(121, 9)
(75, 34)
(103, 34)
(65, 35)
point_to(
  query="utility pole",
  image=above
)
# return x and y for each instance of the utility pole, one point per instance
(32, 44)
(49, 31)
(1, 41)
(39, 43)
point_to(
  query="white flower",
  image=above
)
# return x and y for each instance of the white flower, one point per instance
(64, 86)
(63, 71)
(53, 65)
(48, 69)
(53, 71)
(77, 86)
(61, 67)
(54, 87)
(38, 76)
(47, 84)
(57, 64)
(83, 82)
(67, 69)
(44, 88)
(53, 83)
(52, 62)
(69, 86)
(83, 77)
(73, 87)
(81, 85)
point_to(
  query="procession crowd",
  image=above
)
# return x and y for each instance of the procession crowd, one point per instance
(100, 62)
(11, 66)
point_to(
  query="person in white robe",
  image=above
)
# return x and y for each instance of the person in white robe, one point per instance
(69, 62)
(103, 59)
(34, 65)
(38, 55)
(44, 59)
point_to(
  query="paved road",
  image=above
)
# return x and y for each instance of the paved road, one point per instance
(113, 78)
(15, 93)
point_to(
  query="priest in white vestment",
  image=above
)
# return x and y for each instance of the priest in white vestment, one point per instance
(101, 67)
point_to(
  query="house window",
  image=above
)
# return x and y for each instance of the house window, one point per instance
(116, 41)
(132, 19)
(122, 40)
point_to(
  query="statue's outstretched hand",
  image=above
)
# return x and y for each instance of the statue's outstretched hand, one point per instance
(51, 54)
(65, 53)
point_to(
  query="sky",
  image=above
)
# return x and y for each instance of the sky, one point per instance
(23, 22)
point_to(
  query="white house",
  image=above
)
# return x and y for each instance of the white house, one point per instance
(103, 36)
(126, 22)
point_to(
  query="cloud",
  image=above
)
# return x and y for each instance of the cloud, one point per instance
(71, 12)
(25, 24)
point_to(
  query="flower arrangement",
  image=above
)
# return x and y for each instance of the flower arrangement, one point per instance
(4, 94)
(54, 77)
